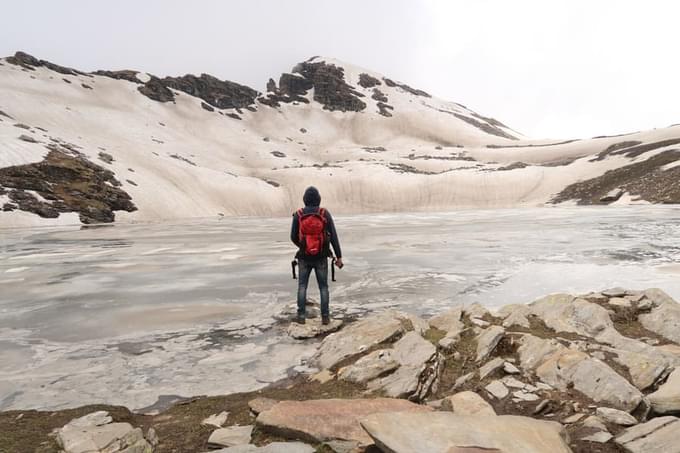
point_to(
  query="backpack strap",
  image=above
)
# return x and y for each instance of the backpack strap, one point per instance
(300, 214)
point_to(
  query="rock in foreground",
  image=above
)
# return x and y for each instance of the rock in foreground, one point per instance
(443, 432)
(94, 433)
(318, 421)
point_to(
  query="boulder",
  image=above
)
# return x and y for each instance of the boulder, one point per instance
(621, 302)
(419, 324)
(418, 360)
(658, 297)
(663, 320)
(659, 435)
(444, 432)
(230, 436)
(450, 322)
(487, 341)
(490, 367)
(318, 421)
(312, 328)
(467, 403)
(369, 367)
(564, 313)
(94, 434)
(357, 338)
(475, 310)
(615, 416)
(570, 368)
(666, 399)
(533, 351)
(515, 315)
(644, 370)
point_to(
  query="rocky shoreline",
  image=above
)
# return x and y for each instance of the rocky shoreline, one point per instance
(590, 373)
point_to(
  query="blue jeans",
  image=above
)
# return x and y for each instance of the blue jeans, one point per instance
(321, 271)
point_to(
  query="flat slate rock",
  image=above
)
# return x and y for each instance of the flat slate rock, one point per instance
(615, 416)
(312, 328)
(445, 432)
(487, 341)
(467, 403)
(666, 399)
(369, 367)
(357, 338)
(663, 320)
(659, 435)
(412, 352)
(449, 321)
(570, 368)
(111, 438)
(231, 436)
(317, 421)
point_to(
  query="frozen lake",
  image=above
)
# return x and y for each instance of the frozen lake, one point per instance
(128, 314)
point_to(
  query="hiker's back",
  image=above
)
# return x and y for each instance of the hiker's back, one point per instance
(313, 234)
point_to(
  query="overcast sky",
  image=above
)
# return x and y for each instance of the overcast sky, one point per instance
(547, 68)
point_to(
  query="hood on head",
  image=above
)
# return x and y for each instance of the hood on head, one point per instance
(312, 197)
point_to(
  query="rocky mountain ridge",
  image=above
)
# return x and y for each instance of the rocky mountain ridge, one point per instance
(198, 146)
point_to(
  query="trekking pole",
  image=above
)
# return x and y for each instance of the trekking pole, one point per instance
(292, 265)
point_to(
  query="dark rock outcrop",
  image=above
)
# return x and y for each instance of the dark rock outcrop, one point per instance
(294, 86)
(368, 81)
(646, 180)
(29, 62)
(484, 126)
(271, 86)
(384, 109)
(69, 183)
(155, 90)
(379, 96)
(27, 138)
(125, 74)
(408, 89)
(207, 107)
(330, 88)
(634, 148)
(222, 94)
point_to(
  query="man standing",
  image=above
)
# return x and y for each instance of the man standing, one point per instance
(313, 231)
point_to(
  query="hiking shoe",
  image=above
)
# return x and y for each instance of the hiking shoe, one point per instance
(300, 320)
(325, 320)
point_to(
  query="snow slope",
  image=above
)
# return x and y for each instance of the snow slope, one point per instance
(178, 160)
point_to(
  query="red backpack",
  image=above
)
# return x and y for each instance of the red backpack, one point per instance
(312, 232)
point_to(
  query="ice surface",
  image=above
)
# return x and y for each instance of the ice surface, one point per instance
(126, 314)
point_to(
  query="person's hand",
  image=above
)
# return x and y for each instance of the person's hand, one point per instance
(338, 262)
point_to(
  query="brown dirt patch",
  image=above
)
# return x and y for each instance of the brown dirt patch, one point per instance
(179, 428)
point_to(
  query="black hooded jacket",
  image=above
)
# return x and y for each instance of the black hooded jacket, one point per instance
(312, 201)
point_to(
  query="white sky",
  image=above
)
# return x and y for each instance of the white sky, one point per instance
(547, 68)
